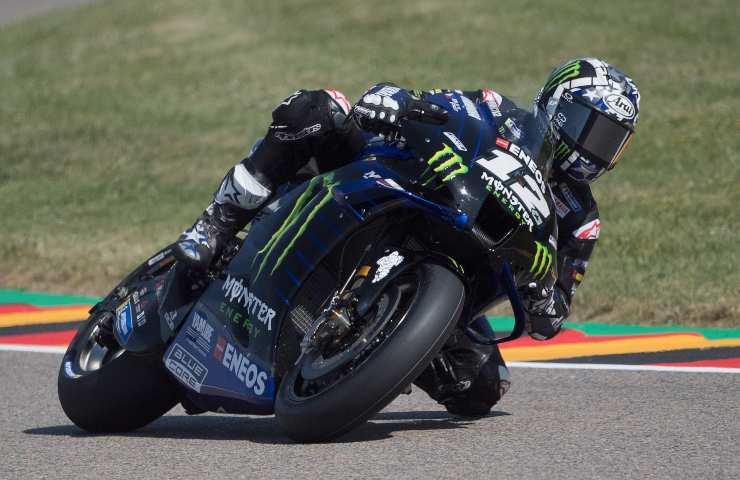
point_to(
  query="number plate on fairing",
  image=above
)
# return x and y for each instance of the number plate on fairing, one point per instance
(513, 178)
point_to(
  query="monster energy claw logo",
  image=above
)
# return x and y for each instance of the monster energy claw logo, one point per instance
(449, 159)
(542, 261)
(308, 200)
(566, 72)
(561, 151)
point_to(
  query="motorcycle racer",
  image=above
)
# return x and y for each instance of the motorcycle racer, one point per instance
(591, 110)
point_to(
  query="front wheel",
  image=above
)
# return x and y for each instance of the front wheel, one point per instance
(413, 318)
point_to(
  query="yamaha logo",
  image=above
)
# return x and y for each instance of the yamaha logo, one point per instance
(621, 105)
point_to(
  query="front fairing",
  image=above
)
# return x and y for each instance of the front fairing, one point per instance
(480, 143)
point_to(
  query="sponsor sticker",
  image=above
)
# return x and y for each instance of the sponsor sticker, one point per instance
(292, 137)
(385, 264)
(236, 292)
(560, 208)
(200, 332)
(470, 108)
(169, 318)
(456, 141)
(141, 317)
(589, 231)
(513, 128)
(218, 351)
(491, 96)
(570, 198)
(370, 174)
(621, 105)
(493, 101)
(186, 367)
(156, 258)
(239, 364)
(523, 194)
(454, 103)
(124, 322)
(502, 143)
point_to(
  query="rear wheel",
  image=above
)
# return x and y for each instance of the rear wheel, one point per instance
(330, 392)
(107, 389)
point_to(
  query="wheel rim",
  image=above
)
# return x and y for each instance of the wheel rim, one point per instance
(319, 373)
(89, 356)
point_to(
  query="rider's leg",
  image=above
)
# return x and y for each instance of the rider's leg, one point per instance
(303, 126)
(239, 198)
(466, 377)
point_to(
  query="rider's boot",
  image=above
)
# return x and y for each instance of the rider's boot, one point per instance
(237, 201)
(466, 377)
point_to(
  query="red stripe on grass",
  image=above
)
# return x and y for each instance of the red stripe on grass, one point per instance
(62, 337)
(722, 362)
(22, 308)
(17, 307)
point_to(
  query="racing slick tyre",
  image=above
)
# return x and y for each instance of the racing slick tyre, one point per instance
(410, 323)
(103, 388)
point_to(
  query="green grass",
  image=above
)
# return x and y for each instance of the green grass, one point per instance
(118, 119)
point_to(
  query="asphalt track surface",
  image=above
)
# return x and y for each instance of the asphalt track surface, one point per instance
(553, 424)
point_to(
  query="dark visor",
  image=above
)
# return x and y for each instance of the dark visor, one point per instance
(600, 136)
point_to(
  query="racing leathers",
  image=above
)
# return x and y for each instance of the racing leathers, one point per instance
(313, 131)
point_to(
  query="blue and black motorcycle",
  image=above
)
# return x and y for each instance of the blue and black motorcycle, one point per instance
(341, 293)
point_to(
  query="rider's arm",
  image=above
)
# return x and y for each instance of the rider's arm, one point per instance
(307, 124)
(578, 231)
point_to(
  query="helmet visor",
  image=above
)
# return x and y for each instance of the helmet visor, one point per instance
(603, 138)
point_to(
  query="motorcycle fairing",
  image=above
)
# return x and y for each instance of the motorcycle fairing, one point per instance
(207, 359)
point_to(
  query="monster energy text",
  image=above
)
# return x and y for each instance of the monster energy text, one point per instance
(235, 315)
(236, 291)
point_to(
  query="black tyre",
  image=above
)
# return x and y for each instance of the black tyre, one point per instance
(421, 309)
(106, 389)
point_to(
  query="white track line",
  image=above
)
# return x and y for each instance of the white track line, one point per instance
(638, 368)
(32, 348)
(545, 365)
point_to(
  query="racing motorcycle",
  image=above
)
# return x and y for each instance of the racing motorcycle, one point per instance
(340, 294)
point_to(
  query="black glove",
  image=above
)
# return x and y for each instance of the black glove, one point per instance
(547, 309)
(384, 107)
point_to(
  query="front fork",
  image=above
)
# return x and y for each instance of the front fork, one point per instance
(506, 278)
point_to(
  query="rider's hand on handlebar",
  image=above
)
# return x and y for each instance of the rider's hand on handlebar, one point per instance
(547, 308)
(383, 108)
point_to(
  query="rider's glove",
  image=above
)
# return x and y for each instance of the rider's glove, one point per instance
(385, 106)
(547, 308)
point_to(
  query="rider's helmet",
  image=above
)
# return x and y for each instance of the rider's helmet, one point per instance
(592, 109)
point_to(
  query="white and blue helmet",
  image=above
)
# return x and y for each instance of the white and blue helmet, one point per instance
(592, 108)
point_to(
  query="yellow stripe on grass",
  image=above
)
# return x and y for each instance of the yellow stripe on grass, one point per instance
(41, 317)
(614, 347)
